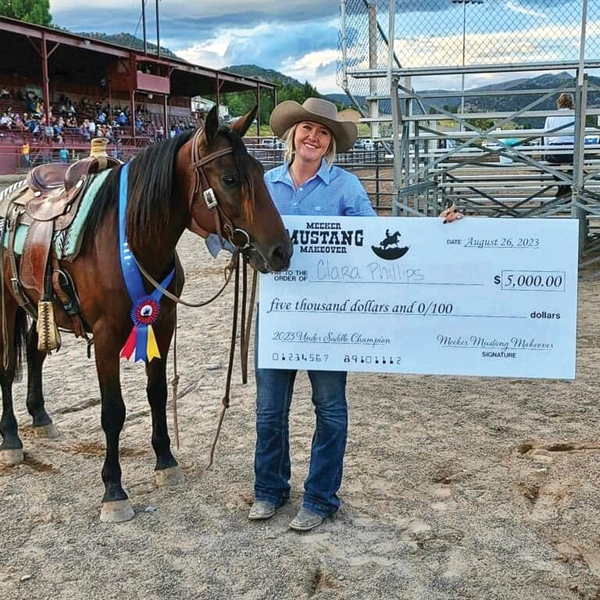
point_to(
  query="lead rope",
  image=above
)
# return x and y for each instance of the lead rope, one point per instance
(225, 399)
(244, 366)
(246, 329)
(175, 381)
(245, 344)
(228, 269)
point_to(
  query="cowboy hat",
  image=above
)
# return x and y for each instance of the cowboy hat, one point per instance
(288, 113)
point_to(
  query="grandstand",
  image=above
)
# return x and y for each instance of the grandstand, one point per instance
(58, 89)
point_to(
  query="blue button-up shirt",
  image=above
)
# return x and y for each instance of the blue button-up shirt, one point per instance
(331, 192)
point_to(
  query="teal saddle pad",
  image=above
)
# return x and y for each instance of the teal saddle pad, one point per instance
(65, 242)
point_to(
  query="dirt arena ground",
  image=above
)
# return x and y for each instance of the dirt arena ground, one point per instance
(454, 488)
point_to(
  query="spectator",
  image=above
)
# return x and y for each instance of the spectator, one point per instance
(6, 121)
(565, 137)
(25, 155)
(64, 155)
(85, 129)
(20, 122)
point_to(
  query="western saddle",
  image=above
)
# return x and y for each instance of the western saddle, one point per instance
(48, 203)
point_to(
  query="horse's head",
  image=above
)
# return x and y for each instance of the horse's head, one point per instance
(227, 194)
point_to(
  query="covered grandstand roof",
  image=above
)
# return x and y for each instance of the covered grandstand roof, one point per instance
(86, 59)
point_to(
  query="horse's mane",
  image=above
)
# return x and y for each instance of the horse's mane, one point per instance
(150, 190)
(152, 186)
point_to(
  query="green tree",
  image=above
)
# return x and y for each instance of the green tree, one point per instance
(31, 11)
(481, 123)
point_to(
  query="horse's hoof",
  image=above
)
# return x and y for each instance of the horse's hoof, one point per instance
(169, 477)
(49, 432)
(11, 457)
(116, 512)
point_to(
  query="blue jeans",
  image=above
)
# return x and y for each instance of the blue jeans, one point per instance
(272, 465)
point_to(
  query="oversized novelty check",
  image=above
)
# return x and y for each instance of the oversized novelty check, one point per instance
(493, 297)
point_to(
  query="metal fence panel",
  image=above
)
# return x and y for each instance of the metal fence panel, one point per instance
(444, 33)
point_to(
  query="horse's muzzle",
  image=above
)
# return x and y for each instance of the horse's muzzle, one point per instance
(274, 258)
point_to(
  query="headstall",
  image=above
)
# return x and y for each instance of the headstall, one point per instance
(232, 233)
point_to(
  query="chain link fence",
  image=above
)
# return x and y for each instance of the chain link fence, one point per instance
(453, 33)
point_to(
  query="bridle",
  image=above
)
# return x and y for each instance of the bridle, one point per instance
(200, 180)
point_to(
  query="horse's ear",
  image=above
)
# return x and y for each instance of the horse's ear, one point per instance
(242, 125)
(212, 125)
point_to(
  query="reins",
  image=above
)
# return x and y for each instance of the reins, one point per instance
(200, 181)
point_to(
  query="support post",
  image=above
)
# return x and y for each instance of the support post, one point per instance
(373, 87)
(166, 116)
(157, 32)
(464, 52)
(46, 82)
(110, 108)
(258, 111)
(132, 79)
(577, 211)
(393, 86)
(581, 88)
(396, 146)
(344, 44)
(144, 26)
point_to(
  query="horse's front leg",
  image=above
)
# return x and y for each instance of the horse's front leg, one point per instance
(167, 471)
(42, 423)
(116, 506)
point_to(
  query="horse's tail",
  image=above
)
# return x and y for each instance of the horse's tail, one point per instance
(20, 342)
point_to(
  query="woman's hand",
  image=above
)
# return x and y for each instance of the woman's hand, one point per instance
(451, 214)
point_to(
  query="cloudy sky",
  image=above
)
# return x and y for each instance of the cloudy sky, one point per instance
(300, 37)
(297, 37)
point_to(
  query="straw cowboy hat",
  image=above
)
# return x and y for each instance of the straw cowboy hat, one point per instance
(288, 113)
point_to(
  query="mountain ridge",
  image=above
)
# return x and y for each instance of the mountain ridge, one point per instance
(128, 41)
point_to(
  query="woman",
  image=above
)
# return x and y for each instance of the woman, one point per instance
(565, 103)
(306, 184)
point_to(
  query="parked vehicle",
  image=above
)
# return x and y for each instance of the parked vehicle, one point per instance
(364, 144)
(272, 143)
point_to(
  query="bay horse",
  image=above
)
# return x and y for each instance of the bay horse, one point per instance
(166, 185)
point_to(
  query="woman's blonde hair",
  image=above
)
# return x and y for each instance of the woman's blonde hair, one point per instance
(566, 101)
(290, 149)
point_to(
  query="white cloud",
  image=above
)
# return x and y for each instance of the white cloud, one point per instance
(211, 53)
(310, 62)
(541, 44)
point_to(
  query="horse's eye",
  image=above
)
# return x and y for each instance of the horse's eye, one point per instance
(228, 180)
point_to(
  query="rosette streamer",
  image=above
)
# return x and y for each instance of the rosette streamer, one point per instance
(146, 308)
